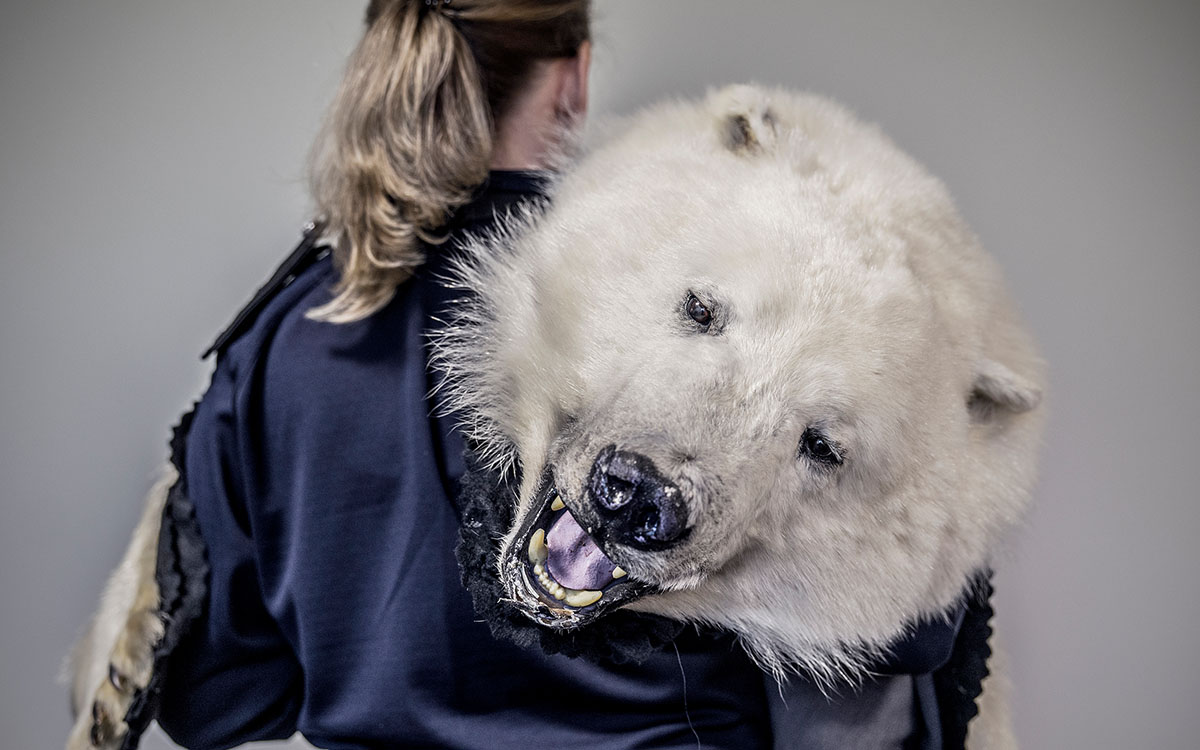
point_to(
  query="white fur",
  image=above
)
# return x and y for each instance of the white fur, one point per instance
(992, 728)
(121, 635)
(855, 298)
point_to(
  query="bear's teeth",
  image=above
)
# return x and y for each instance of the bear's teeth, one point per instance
(618, 573)
(558, 504)
(537, 547)
(582, 598)
(573, 597)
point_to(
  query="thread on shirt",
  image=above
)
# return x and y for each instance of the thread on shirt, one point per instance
(687, 714)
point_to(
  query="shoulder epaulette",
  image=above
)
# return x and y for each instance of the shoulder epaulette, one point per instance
(309, 251)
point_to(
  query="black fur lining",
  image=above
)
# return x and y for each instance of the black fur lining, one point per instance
(182, 575)
(485, 505)
(959, 682)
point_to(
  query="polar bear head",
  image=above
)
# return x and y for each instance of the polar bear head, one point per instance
(755, 372)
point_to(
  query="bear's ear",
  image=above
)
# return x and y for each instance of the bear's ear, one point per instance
(745, 122)
(996, 387)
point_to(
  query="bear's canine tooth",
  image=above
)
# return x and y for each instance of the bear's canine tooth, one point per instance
(558, 504)
(618, 573)
(537, 547)
(582, 598)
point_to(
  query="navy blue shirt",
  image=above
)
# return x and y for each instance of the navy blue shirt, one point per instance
(322, 487)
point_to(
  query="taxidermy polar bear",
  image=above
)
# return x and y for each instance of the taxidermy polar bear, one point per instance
(753, 370)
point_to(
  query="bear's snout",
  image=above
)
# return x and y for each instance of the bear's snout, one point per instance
(637, 505)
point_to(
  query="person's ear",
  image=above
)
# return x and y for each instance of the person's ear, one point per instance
(583, 69)
(573, 92)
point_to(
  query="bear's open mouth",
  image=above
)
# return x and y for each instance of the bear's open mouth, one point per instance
(565, 579)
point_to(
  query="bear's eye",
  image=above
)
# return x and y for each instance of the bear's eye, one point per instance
(819, 448)
(697, 311)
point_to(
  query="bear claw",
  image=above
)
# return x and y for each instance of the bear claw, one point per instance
(102, 729)
(118, 680)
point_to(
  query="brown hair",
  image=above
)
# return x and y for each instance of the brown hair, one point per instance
(409, 136)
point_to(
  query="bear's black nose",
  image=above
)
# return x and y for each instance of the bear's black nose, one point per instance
(638, 505)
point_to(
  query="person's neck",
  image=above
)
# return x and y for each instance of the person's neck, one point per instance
(525, 144)
(532, 133)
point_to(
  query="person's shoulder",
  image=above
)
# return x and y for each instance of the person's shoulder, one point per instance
(306, 269)
(294, 375)
(274, 328)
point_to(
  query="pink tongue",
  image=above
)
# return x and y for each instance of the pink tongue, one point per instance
(575, 561)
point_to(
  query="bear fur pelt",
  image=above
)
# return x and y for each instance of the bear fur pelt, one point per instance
(747, 369)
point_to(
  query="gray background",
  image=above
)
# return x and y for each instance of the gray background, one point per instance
(151, 175)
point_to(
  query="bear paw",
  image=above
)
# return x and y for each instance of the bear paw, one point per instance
(130, 667)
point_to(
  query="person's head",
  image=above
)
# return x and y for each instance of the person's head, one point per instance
(435, 94)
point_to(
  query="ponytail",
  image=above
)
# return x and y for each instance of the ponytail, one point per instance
(409, 135)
